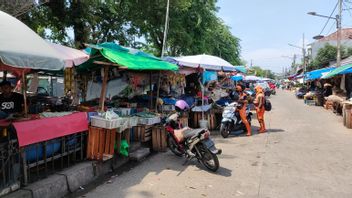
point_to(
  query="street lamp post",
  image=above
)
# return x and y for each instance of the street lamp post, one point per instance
(338, 27)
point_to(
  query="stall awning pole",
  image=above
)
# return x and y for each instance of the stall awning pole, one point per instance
(24, 92)
(203, 91)
(103, 89)
(151, 91)
(157, 93)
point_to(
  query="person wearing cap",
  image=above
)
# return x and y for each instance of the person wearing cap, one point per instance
(259, 107)
(243, 100)
(10, 102)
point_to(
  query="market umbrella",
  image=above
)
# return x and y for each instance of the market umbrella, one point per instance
(204, 61)
(70, 55)
(337, 71)
(265, 79)
(22, 48)
(251, 78)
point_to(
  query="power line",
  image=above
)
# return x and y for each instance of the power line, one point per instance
(329, 19)
(332, 26)
(348, 9)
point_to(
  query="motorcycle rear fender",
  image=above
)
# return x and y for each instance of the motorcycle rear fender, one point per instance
(209, 144)
(224, 120)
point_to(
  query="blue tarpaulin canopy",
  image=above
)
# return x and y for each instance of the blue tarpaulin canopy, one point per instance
(237, 78)
(317, 74)
(347, 71)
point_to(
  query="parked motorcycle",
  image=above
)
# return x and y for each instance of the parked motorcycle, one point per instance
(231, 120)
(193, 143)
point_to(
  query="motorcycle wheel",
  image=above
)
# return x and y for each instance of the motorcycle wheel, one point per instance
(174, 147)
(209, 159)
(224, 130)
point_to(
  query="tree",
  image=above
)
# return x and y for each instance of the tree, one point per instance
(194, 27)
(18, 7)
(326, 55)
(258, 71)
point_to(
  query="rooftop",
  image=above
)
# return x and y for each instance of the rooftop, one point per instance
(346, 34)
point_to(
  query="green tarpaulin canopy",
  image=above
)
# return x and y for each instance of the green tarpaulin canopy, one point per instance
(337, 71)
(127, 57)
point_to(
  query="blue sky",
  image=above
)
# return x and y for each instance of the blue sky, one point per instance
(265, 27)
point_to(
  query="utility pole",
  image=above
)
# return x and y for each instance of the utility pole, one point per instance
(294, 62)
(338, 17)
(166, 28)
(162, 53)
(304, 59)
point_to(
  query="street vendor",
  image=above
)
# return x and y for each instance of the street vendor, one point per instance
(244, 101)
(11, 103)
(259, 106)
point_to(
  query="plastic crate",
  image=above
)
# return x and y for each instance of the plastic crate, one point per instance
(149, 121)
(124, 111)
(125, 124)
(310, 102)
(133, 121)
(168, 107)
(107, 124)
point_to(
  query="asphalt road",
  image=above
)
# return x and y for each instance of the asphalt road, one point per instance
(306, 153)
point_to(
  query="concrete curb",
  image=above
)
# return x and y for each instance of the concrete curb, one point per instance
(51, 187)
(69, 180)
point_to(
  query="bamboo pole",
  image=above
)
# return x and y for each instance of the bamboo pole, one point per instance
(151, 91)
(103, 89)
(157, 93)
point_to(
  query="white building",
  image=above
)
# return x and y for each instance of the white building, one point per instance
(346, 40)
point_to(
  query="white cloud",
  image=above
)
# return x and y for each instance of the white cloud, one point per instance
(271, 58)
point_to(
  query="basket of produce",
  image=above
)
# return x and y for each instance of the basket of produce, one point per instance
(133, 121)
(106, 123)
(148, 118)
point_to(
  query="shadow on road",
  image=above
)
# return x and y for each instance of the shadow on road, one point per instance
(275, 130)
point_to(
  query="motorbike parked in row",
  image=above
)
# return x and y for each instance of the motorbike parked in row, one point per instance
(192, 143)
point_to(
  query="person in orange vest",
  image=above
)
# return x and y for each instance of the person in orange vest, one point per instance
(259, 106)
(243, 100)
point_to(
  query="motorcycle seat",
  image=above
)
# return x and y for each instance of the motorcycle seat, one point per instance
(192, 132)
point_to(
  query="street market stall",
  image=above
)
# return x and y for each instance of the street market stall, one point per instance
(32, 142)
(207, 68)
(127, 80)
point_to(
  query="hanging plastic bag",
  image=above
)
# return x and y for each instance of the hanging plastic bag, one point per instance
(124, 148)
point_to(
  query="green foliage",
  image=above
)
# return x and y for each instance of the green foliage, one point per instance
(327, 54)
(194, 27)
(258, 71)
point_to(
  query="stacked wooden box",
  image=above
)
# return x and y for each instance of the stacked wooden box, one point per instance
(101, 143)
(159, 139)
(142, 133)
(347, 111)
(207, 116)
